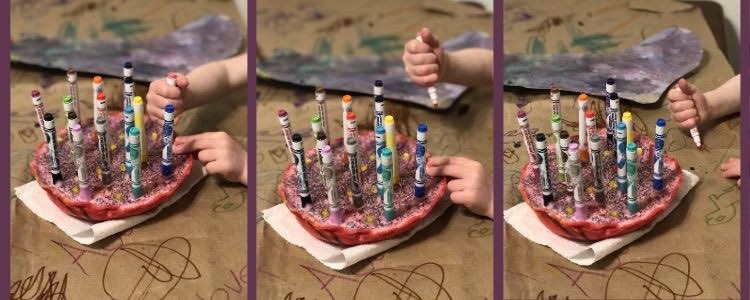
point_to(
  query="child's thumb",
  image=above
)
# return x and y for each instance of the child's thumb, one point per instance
(428, 38)
(686, 87)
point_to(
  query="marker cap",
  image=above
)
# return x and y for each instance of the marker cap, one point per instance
(76, 129)
(296, 137)
(169, 108)
(388, 120)
(541, 141)
(134, 136)
(67, 99)
(137, 100)
(351, 145)
(632, 147)
(282, 113)
(590, 114)
(627, 116)
(49, 121)
(128, 80)
(380, 130)
(100, 96)
(72, 115)
(422, 127)
(573, 151)
(385, 155)
(98, 80)
(583, 97)
(72, 75)
(101, 125)
(346, 99)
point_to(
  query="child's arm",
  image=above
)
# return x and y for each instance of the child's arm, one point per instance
(218, 152)
(427, 63)
(469, 184)
(690, 107)
(202, 85)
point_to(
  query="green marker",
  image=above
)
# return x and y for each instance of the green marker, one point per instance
(135, 151)
(632, 183)
(558, 148)
(385, 159)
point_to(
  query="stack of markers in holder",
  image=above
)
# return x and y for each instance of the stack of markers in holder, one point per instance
(571, 157)
(135, 143)
(386, 155)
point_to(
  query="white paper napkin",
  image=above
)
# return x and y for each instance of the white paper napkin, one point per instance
(85, 232)
(525, 221)
(336, 257)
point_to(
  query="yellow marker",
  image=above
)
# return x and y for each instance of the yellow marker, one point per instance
(390, 143)
(627, 118)
(138, 120)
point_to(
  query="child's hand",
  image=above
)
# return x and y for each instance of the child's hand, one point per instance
(731, 169)
(160, 94)
(469, 185)
(218, 151)
(424, 60)
(688, 105)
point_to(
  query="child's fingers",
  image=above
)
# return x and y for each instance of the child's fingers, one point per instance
(182, 81)
(682, 116)
(166, 91)
(423, 70)
(192, 143)
(416, 47)
(428, 38)
(678, 106)
(463, 197)
(426, 80)
(420, 59)
(215, 167)
(676, 95)
(456, 185)
(686, 87)
(208, 155)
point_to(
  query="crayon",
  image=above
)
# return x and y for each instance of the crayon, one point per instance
(320, 99)
(596, 166)
(79, 157)
(621, 158)
(574, 173)
(386, 159)
(544, 174)
(419, 177)
(346, 106)
(299, 162)
(140, 124)
(129, 123)
(379, 146)
(50, 137)
(564, 143)
(523, 122)
(36, 100)
(632, 180)
(286, 130)
(583, 147)
(101, 133)
(72, 77)
(556, 126)
(351, 150)
(329, 181)
(659, 155)
(135, 173)
(167, 134)
(390, 142)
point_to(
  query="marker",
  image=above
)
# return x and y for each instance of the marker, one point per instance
(72, 77)
(101, 107)
(299, 162)
(72, 121)
(138, 119)
(544, 175)
(621, 158)
(419, 178)
(390, 142)
(351, 126)
(101, 133)
(346, 106)
(166, 153)
(432, 91)
(127, 91)
(377, 90)
(316, 127)
(36, 100)
(614, 117)
(351, 149)
(129, 123)
(320, 98)
(67, 108)
(596, 166)
(172, 79)
(627, 118)
(523, 122)
(632, 181)
(693, 131)
(379, 146)
(49, 134)
(609, 89)
(127, 69)
(387, 158)
(329, 181)
(583, 147)
(79, 157)
(97, 86)
(320, 142)
(135, 173)
(564, 142)
(558, 148)
(554, 95)
(590, 127)
(574, 173)
(659, 154)
(286, 130)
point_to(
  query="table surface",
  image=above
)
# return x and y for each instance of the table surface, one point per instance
(456, 250)
(695, 250)
(207, 227)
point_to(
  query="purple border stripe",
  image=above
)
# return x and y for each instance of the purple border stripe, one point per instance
(497, 96)
(252, 283)
(744, 156)
(5, 117)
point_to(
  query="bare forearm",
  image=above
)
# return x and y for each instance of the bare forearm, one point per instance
(469, 67)
(213, 80)
(725, 99)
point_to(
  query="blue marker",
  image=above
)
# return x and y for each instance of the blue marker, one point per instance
(659, 154)
(129, 123)
(419, 178)
(379, 145)
(166, 154)
(621, 156)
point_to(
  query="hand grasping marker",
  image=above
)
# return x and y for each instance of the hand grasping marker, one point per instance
(689, 108)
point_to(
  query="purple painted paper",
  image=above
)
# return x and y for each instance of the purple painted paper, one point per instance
(357, 73)
(643, 72)
(204, 40)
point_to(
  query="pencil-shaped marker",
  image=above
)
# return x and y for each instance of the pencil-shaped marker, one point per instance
(390, 142)
(356, 183)
(129, 123)
(627, 119)
(632, 180)
(67, 109)
(432, 91)
(286, 130)
(583, 147)
(50, 136)
(320, 99)
(657, 181)
(329, 181)
(621, 158)
(97, 86)
(379, 146)
(596, 166)
(377, 90)
(101, 133)
(346, 106)
(72, 77)
(79, 157)
(166, 153)
(299, 163)
(36, 100)
(523, 122)
(135, 173)
(544, 174)
(387, 159)
(419, 178)
(574, 173)
(139, 123)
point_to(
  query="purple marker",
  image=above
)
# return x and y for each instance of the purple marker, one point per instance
(329, 182)
(659, 155)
